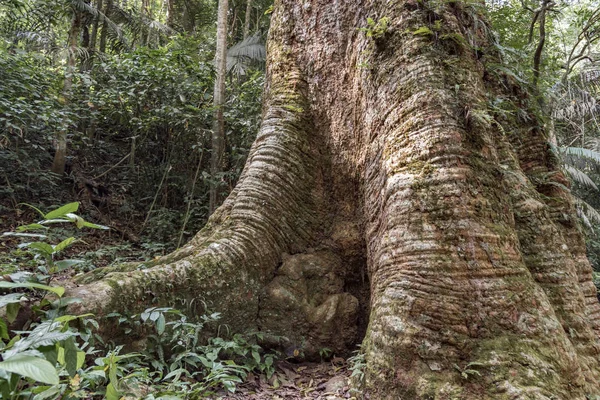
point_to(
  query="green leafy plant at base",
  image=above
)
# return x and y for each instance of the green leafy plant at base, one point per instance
(55, 356)
(181, 361)
(44, 251)
(357, 365)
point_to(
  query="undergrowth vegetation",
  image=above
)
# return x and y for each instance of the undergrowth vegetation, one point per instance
(47, 353)
(134, 98)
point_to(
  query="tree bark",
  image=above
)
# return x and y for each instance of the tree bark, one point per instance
(60, 155)
(218, 134)
(104, 32)
(170, 13)
(94, 34)
(386, 186)
(247, 17)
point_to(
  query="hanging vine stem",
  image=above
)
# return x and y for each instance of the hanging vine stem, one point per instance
(187, 211)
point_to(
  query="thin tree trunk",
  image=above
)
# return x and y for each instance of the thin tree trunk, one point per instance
(537, 57)
(247, 19)
(103, 34)
(60, 156)
(94, 35)
(379, 154)
(170, 13)
(218, 134)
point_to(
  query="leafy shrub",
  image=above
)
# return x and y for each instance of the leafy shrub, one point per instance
(55, 356)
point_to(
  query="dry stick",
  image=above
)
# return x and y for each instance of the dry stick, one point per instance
(111, 168)
(156, 196)
(12, 195)
(187, 212)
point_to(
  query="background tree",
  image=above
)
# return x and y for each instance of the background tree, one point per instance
(218, 134)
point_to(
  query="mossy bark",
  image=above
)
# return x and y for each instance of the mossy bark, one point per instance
(401, 180)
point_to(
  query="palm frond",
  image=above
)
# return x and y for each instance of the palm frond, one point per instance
(82, 6)
(587, 213)
(244, 54)
(580, 176)
(582, 152)
(41, 38)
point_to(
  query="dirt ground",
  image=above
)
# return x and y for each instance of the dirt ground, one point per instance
(323, 381)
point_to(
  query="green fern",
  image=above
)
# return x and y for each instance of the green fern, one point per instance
(580, 177)
(244, 54)
(583, 153)
(587, 213)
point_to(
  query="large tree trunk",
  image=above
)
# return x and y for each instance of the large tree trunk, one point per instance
(397, 179)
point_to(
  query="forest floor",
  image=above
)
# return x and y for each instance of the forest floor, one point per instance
(290, 381)
(323, 381)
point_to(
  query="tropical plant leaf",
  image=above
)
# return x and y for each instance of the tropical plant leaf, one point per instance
(10, 298)
(58, 290)
(64, 264)
(587, 213)
(244, 54)
(582, 152)
(62, 211)
(31, 367)
(580, 177)
(64, 244)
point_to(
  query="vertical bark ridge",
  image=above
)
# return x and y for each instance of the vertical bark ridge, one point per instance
(552, 246)
(455, 309)
(552, 185)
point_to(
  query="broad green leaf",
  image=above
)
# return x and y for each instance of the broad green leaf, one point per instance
(94, 226)
(145, 315)
(112, 393)
(68, 318)
(60, 355)
(4, 389)
(80, 359)
(31, 367)
(43, 335)
(12, 310)
(10, 298)
(50, 353)
(65, 301)
(42, 247)
(3, 330)
(71, 356)
(64, 244)
(154, 316)
(58, 290)
(256, 356)
(160, 324)
(64, 264)
(48, 393)
(24, 228)
(61, 211)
